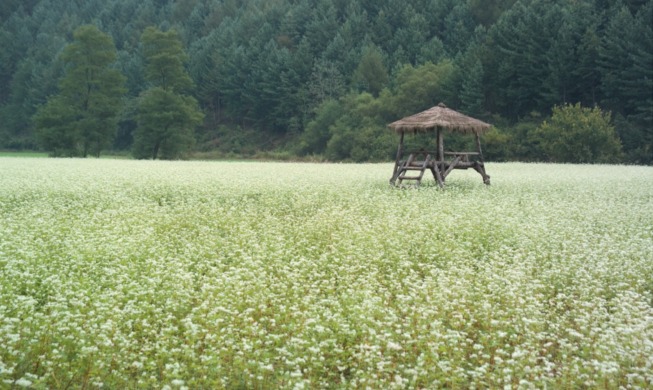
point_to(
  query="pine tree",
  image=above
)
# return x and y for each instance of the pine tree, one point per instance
(326, 83)
(471, 93)
(164, 60)
(638, 87)
(615, 61)
(572, 56)
(459, 27)
(371, 74)
(86, 109)
(522, 38)
(166, 114)
(626, 67)
(487, 12)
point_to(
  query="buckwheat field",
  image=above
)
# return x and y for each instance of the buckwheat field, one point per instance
(147, 274)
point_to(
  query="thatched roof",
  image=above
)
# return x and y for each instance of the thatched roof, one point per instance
(440, 116)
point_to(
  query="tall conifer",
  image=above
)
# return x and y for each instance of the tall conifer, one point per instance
(166, 115)
(81, 120)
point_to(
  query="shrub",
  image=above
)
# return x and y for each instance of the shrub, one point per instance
(579, 135)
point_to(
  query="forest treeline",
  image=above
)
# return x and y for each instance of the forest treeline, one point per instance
(324, 77)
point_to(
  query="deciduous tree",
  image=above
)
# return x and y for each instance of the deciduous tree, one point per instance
(579, 134)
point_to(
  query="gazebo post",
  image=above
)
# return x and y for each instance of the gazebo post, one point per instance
(439, 164)
(480, 165)
(478, 147)
(400, 153)
(440, 144)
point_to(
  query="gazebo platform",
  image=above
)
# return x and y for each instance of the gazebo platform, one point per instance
(420, 161)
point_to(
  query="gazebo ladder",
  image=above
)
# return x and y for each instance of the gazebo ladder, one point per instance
(408, 166)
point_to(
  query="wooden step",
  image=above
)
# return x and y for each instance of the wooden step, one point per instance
(410, 177)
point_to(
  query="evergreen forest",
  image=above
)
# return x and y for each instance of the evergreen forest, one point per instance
(560, 80)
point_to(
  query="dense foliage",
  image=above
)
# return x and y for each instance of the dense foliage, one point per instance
(263, 70)
(124, 274)
(579, 135)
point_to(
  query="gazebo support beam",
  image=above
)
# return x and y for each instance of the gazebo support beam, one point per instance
(435, 169)
(478, 147)
(400, 153)
(440, 145)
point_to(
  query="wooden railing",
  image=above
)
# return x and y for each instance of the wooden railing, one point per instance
(464, 156)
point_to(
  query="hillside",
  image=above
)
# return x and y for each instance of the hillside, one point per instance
(318, 77)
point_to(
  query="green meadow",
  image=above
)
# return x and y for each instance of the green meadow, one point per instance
(185, 275)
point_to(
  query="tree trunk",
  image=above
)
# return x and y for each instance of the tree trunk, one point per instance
(155, 150)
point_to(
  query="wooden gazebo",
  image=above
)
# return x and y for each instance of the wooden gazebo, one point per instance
(439, 162)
